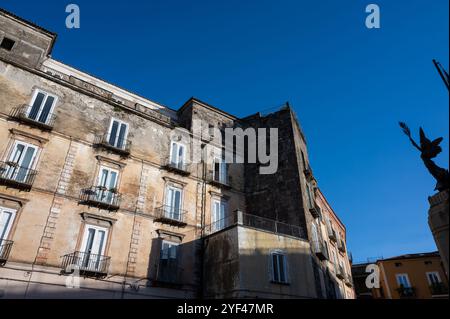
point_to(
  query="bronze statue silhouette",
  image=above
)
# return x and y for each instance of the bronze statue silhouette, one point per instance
(430, 149)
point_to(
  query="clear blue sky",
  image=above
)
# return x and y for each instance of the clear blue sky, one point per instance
(349, 85)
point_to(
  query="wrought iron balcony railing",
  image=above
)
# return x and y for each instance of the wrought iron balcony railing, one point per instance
(332, 234)
(308, 173)
(406, 292)
(171, 215)
(257, 222)
(89, 265)
(320, 250)
(349, 281)
(340, 273)
(5, 249)
(341, 246)
(101, 197)
(43, 121)
(315, 209)
(439, 289)
(115, 144)
(177, 167)
(13, 175)
(218, 180)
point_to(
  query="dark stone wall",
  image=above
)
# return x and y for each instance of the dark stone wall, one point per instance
(277, 196)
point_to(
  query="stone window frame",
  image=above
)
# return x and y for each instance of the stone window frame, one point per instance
(35, 91)
(170, 182)
(16, 204)
(221, 198)
(284, 254)
(111, 164)
(12, 38)
(26, 138)
(88, 219)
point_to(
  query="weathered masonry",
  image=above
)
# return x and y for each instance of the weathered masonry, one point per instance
(98, 192)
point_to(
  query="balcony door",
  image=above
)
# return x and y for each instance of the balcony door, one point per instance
(20, 161)
(403, 280)
(107, 185)
(173, 203)
(117, 133)
(219, 215)
(6, 221)
(220, 170)
(315, 238)
(93, 248)
(177, 153)
(41, 107)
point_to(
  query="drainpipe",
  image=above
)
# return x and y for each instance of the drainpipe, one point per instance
(203, 220)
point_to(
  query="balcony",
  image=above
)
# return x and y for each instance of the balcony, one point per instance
(5, 249)
(439, 289)
(22, 114)
(349, 281)
(89, 265)
(406, 292)
(315, 210)
(256, 222)
(177, 168)
(320, 250)
(171, 216)
(340, 273)
(12, 175)
(332, 234)
(219, 181)
(341, 246)
(115, 145)
(308, 174)
(101, 197)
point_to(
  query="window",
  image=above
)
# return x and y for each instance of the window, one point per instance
(433, 278)
(117, 134)
(41, 107)
(398, 264)
(315, 238)
(6, 220)
(310, 195)
(219, 215)
(168, 250)
(107, 185)
(7, 44)
(279, 267)
(428, 262)
(220, 170)
(20, 162)
(93, 247)
(177, 153)
(172, 208)
(403, 280)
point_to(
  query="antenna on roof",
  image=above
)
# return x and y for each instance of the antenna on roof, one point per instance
(444, 75)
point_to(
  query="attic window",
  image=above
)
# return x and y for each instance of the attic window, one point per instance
(398, 264)
(7, 44)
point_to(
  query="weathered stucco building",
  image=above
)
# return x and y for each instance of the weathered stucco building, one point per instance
(100, 197)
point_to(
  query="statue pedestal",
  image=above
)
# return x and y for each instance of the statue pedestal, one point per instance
(438, 221)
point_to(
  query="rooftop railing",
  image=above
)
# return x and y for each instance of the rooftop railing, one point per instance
(257, 222)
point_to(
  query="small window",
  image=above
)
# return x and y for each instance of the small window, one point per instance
(41, 107)
(168, 250)
(279, 267)
(433, 278)
(117, 134)
(7, 44)
(428, 262)
(398, 264)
